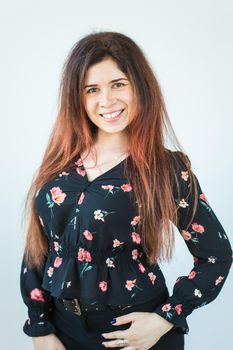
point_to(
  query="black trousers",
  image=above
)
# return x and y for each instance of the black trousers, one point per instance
(84, 332)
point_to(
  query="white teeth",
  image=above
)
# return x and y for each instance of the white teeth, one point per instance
(111, 115)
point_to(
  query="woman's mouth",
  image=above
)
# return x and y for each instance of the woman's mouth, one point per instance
(112, 117)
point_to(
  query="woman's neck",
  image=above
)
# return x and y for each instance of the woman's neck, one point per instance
(111, 143)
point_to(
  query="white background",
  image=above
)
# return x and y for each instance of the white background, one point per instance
(190, 46)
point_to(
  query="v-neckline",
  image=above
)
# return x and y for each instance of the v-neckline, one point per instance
(103, 174)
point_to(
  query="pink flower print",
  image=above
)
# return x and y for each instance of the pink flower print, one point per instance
(88, 256)
(134, 254)
(203, 198)
(117, 243)
(98, 215)
(83, 255)
(152, 277)
(186, 235)
(141, 267)
(81, 198)
(136, 237)
(184, 175)
(198, 228)
(191, 275)
(219, 280)
(111, 189)
(25, 270)
(41, 221)
(166, 307)
(178, 309)
(183, 204)
(50, 271)
(79, 162)
(63, 174)
(56, 246)
(57, 195)
(108, 187)
(37, 294)
(57, 261)
(88, 235)
(103, 286)
(126, 187)
(130, 284)
(135, 220)
(81, 171)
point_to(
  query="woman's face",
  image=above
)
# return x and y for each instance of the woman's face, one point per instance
(105, 98)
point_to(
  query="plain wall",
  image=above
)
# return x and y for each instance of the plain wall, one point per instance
(190, 46)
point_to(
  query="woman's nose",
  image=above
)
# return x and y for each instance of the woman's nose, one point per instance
(106, 98)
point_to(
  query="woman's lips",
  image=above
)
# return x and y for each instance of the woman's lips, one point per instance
(110, 120)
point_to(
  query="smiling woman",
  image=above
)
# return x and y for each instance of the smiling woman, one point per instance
(102, 209)
(109, 103)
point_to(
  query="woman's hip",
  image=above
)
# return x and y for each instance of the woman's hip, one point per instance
(84, 331)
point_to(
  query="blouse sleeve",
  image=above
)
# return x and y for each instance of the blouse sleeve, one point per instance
(212, 257)
(38, 300)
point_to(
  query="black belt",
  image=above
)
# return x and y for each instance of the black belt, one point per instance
(78, 307)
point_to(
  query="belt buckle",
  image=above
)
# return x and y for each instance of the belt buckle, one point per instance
(77, 307)
(72, 305)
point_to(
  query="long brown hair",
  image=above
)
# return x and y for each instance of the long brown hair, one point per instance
(149, 166)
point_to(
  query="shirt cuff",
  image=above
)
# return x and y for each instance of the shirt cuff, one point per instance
(175, 312)
(39, 320)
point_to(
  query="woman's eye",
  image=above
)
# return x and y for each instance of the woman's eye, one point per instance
(120, 84)
(89, 91)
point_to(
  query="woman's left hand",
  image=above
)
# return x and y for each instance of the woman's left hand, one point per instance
(145, 331)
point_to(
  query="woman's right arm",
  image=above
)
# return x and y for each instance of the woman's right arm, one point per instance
(39, 304)
(37, 300)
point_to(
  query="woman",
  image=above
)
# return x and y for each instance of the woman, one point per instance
(102, 208)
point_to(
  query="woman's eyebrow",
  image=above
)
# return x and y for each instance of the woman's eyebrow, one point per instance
(112, 81)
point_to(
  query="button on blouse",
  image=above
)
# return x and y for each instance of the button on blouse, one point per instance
(95, 250)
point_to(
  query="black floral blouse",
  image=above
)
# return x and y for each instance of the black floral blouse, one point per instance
(96, 253)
